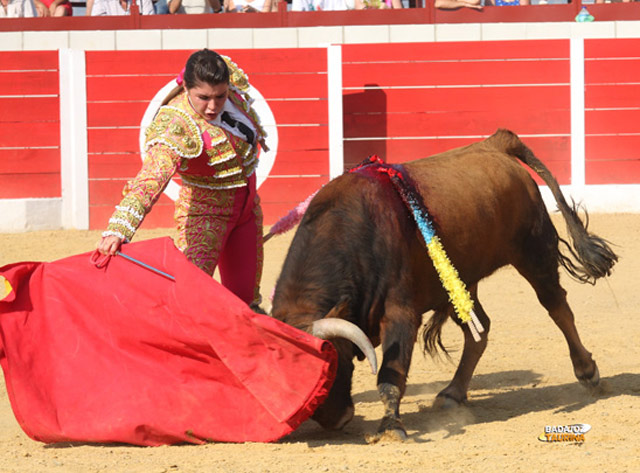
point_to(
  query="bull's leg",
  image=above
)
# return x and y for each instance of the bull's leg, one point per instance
(553, 297)
(539, 265)
(399, 329)
(456, 392)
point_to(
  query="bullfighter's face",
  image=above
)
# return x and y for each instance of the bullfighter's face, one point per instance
(208, 99)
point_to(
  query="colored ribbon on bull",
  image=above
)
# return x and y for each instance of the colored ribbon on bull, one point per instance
(449, 277)
(290, 220)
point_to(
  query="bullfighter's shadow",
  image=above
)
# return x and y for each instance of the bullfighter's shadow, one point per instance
(511, 394)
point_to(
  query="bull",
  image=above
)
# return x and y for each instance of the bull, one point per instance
(357, 271)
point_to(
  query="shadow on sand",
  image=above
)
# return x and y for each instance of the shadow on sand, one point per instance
(504, 395)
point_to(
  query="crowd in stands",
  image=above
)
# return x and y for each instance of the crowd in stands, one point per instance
(43, 8)
(476, 4)
(479, 4)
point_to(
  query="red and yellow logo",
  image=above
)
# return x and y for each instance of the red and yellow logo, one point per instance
(573, 433)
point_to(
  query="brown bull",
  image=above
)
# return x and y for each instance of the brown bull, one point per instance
(358, 255)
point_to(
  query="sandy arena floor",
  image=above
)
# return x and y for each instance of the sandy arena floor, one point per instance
(524, 382)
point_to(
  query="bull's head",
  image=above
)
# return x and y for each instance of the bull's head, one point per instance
(338, 410)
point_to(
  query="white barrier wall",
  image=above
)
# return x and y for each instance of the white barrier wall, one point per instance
(249, 38)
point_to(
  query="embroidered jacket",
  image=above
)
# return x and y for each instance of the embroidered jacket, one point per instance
(204, 155)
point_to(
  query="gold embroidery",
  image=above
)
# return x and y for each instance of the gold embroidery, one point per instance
(221, 153)
(229, 172)
(127, 217)
(237, 76)
(207, 182)
(176, 129)
(189, 142)
(202, 217)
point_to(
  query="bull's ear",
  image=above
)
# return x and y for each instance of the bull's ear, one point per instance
(340, 310)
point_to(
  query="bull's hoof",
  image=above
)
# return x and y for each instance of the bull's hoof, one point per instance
(591, 382)
(390, 430)
(445, 401)
(393, 435)
(329, 421)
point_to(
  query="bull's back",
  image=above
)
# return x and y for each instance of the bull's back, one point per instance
(354, 242)
(482, 201)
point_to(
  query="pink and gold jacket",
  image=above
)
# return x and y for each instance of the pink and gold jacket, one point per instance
(204, 155)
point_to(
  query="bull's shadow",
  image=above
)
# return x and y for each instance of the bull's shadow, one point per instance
(510, 394)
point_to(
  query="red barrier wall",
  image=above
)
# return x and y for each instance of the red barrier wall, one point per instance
(612, 111)
(400, 101)
(426, 98)
(29, 125)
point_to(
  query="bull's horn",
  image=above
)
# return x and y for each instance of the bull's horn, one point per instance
(340, 328)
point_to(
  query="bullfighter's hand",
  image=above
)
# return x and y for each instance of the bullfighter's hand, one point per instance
(109, 245)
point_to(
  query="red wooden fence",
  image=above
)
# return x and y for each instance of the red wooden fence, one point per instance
(612, 117)
(400, 101)
(409, 101)
(29, 125)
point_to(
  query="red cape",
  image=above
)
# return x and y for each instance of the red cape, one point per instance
(122, 354)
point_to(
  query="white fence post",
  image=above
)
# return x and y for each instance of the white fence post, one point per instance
(336, 133)
(74, 168)
(577, 115)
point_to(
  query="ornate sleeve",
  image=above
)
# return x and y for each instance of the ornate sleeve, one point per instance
(160, 164)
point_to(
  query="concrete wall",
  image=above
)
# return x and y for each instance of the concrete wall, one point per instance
(249, 38)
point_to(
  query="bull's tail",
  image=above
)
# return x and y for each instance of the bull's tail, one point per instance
(592, 256)
(432, 332)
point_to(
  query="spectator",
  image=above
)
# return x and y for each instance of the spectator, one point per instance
(507, 3)
(17, 9)
(41, 9)
(160, 7)
(327, 5)
(477, 4)
(455, 4)
(54, 7)
(381, 4)
(117, 7)
(194, 6)
(302, 5)
(247, 6)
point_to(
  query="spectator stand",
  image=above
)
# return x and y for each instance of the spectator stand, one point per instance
(419, 12)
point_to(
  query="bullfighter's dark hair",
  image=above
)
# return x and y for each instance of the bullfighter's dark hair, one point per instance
(205, 66)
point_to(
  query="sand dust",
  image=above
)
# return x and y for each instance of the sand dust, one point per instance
(523, 383)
